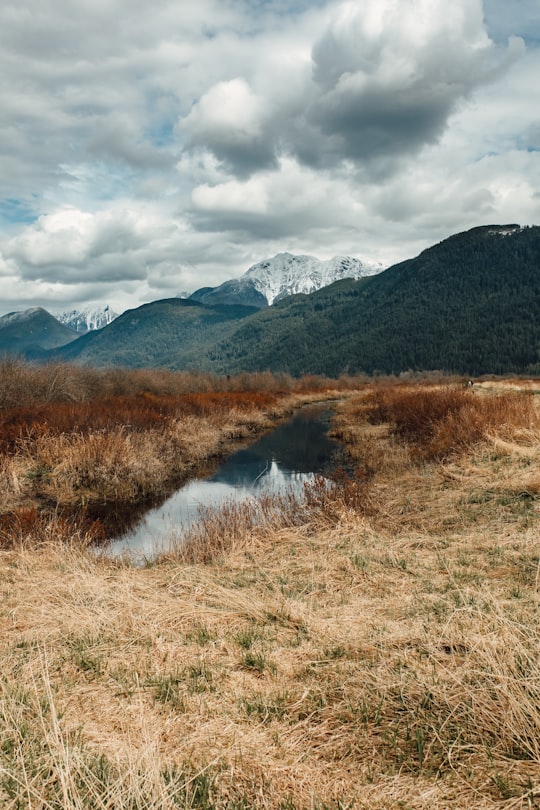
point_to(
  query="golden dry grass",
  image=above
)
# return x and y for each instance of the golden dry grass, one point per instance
(383, 652)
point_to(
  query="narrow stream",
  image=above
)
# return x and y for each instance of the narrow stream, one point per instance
(285, 458)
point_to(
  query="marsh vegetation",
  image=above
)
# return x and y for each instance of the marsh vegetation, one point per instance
(81, 442)
(373, 644)
(278, 463)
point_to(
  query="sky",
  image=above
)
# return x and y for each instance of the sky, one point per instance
(149, 149)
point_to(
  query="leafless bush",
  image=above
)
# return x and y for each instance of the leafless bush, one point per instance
(439, 421)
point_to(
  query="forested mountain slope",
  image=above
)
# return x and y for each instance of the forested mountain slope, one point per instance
(172, 333)
(469, 304)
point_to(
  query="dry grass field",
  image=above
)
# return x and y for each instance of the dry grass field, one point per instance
(373, 646)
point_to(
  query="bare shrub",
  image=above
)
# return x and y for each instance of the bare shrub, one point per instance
(29, 528)
(440, 421)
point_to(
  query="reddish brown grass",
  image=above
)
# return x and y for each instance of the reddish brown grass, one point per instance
(23, 383)
(438, 422)
(71, 436)
(31, 528)
(140, 412)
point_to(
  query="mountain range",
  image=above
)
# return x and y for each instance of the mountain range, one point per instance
(88, 319)
(269, 281)
(260, 286)
(470, 304)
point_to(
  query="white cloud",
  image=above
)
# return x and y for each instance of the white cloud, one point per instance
(230, 119)
(161, 147)
(386, 76)
(75, 247)
(229, 107)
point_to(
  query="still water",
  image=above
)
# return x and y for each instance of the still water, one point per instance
(283, 459)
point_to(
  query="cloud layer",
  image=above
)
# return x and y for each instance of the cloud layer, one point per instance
(149, 149)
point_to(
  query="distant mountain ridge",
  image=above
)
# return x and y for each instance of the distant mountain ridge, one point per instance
(88, 319)
(271, 280)
(154, 334)
(469, 305)
(21, 316)
(32, 332)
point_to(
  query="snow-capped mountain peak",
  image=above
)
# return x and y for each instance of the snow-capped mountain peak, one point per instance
(287, 274)
(88, 319)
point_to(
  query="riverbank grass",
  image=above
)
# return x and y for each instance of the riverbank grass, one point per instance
(381, 653)
(70, 437)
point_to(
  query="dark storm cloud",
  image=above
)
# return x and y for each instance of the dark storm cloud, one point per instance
(388, 85)
(232, 122)
(385, 79)
(242, 156)
(389, 75)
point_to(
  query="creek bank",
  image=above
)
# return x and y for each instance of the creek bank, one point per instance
(102, 483)
(280, 462)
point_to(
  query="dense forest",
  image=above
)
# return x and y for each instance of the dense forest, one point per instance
(470, 304)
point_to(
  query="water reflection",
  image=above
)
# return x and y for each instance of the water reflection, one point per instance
(283, 459)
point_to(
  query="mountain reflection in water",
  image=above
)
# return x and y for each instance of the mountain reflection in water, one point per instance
(282, 460)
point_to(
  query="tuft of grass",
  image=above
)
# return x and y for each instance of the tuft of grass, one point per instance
(247, 637)
(258, 662)
(167, 690)
(199, 678)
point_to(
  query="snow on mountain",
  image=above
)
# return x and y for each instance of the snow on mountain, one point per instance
(504, 230)
(287, 274)
(88, 319)
(19, 316)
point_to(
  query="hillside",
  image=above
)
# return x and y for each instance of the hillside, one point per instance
(232, 292)
(172, 333)
(31, 332)
(470, 304)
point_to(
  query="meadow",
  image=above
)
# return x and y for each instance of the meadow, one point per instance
(373, 644)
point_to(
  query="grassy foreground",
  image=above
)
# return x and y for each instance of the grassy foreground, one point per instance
(374, 647)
